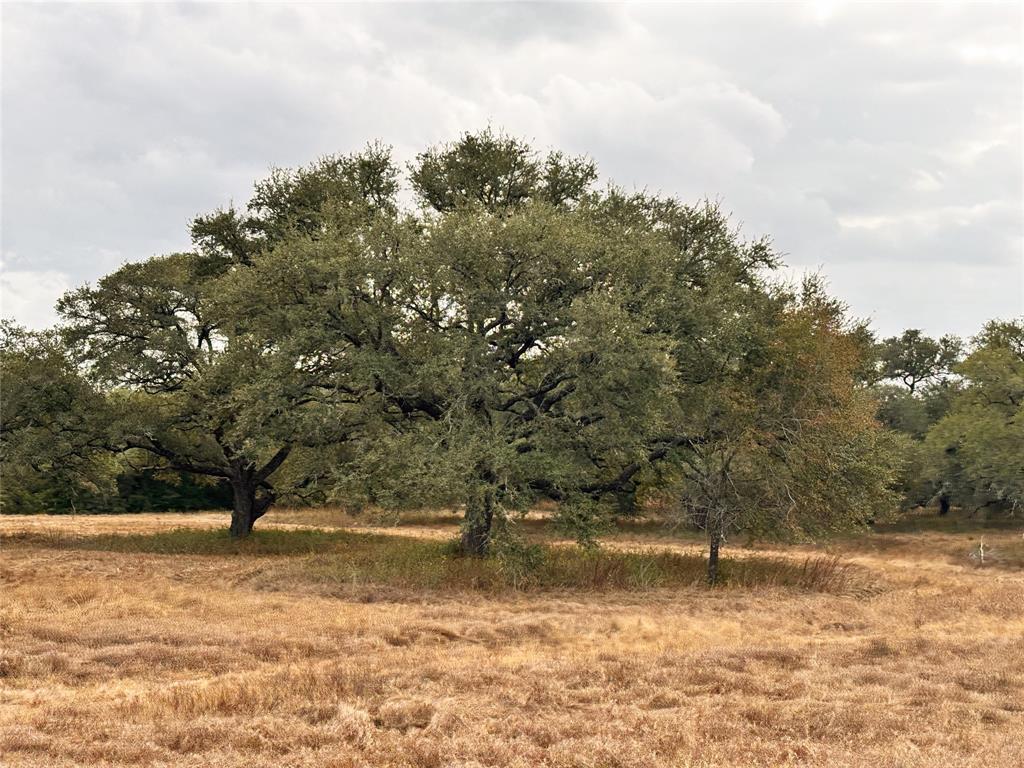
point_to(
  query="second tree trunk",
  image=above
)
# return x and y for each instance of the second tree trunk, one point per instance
(714, 543)
(476, 528)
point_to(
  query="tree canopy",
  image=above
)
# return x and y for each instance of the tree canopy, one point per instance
(914, 359)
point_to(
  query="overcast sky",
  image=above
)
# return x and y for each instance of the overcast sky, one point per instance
(881, 144)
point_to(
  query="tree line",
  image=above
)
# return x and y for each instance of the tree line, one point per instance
(486, 328)
(960, 411)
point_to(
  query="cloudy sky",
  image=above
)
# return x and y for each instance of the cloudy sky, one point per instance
(880, 144)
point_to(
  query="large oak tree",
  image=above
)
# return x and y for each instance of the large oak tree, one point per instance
(498, 327)
(516, 332)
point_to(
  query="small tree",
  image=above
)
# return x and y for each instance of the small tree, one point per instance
(784, 443)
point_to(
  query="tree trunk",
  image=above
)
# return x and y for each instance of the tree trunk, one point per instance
(714, 543)
(249, 506)
(943, 504)
(476, 527)
(625, 502)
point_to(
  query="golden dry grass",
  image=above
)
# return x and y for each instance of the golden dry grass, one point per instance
(257, 659)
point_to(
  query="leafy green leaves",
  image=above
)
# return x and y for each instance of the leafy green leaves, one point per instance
(976, 451)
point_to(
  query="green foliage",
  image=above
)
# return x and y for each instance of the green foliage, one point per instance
(300, 202)
(783, 442)
(124, 490)
(498, 331)
(914, 358)
(925, 369)
(149, 490)
(497, 172)
(54, 425)
(902, 411)
(173, 344)
(583, 518)
(976, 451)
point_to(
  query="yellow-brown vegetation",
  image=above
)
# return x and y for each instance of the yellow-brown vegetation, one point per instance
(126, 643)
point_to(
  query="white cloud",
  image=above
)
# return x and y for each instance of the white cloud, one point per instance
(928, 219)
(29, 296)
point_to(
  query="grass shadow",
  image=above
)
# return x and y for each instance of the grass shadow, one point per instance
(358, 558)
(958, 521)
(204, 541)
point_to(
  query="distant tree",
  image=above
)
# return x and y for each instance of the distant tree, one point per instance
(902, 411)
(53, 425)
(916, 359)
(59, 441)
(912, 379)
(975, 453)
(146, 486)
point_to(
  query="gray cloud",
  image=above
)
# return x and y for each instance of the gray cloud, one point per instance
(881, 144)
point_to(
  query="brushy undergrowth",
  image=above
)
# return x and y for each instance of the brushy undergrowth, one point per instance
(352, 558)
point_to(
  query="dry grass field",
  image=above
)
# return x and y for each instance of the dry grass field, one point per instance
(151, 640)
